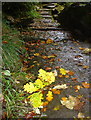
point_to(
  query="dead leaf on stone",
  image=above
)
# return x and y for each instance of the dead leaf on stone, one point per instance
(85, 84)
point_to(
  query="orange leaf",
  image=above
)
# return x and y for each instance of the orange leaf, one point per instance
(55, 91)
(74, 78)
(66, 76)
(57, 67)
(49, 98)
(81, 48)
(70, 73)
(43, 109)
(45, 103)
(85, 84)
(5, 42)
(64, 98)
(60, 76)
(48, 68)
(44, 57)
(59, 59)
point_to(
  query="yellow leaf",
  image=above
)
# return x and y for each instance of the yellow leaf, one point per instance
(62, 71)
(36, 54)
(56, 107)
(49, 96)
(85, 66)
(49, 41)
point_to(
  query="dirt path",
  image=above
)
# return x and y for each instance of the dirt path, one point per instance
(68, 54)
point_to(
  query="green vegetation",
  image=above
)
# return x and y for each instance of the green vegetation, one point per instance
(13, 47)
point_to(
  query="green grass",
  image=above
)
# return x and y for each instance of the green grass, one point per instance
(11, 47)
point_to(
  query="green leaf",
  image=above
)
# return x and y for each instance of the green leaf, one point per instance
(7, 73)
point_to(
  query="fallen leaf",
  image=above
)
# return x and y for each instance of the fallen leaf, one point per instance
(30, 115)
(31, 66)
(62, 71)
(64, 98)
(85, 84)
(43, 109)
(70, 73)
(80, 48)
(51, 56)
(55, 72)
(69, 103)
(77, 88)
(44, 57)
(63, 86)
(59, 59)
(5, 42)
(57, 67)
(66, 76)
(57, 107)
(36, 54)
(86, 51)
(49, 96)
(45, 103)
(81, 115)
(49, 41)
(85, 66)
(78, 104)
(48, 68)
(55, 91)
(74, 79)
(60, 76)
(36, 110)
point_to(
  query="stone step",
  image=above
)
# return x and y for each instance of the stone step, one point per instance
(46, 29)
(44, 13)
(42, 9)
(52, 25)
(46, 16)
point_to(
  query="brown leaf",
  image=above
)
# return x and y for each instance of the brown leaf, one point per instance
(30, 115)
(43, 109)
(5, 42)
(78, 105)
(48, 68)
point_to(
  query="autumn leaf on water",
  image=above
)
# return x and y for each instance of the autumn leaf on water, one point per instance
(49, 96)
(62, 71)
